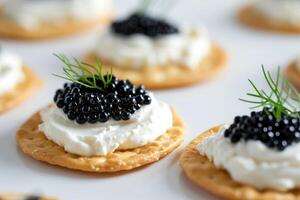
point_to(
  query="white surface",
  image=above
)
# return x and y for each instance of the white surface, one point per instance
(201, 107)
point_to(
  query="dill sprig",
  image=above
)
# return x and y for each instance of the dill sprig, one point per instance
(278, 100)
(84, 74)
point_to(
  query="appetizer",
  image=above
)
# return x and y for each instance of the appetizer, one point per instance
(257, 155)
(99, 123)
(17, 81)
(273, 15)
(152, 51)
(11, 196)
(32, 19)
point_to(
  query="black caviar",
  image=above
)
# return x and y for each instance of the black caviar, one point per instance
(138, 23)
(264, 127)
(118, 100)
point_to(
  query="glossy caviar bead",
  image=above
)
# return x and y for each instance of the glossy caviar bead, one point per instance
(81, 119)
(138, 23)
(147, 99)
(264, 127)
(86, 105)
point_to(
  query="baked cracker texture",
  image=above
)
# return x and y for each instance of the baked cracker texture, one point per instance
(171, 76)
(9, 29)
(248, 16)
(293, 75)
(34, 143)
(13, 196)
(216, 181)
(23, 90)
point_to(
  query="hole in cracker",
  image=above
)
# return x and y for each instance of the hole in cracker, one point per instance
(41, 146)
(211, 176)
(73, 156)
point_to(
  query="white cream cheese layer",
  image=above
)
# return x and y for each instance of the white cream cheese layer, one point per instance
(286, 11)
(11, 72)
(187, 49)
(32, 13)
(253, 163)
(145, 126)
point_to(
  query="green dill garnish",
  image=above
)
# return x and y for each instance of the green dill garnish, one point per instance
(84, 74)
(278, 100)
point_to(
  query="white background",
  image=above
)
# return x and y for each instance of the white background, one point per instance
(201, 107)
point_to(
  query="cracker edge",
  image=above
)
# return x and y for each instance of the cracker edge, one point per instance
(247, 16)
(178, 126)
(240, 192)
(10, 30)
(170, 84)
(293, 75)
(33, 83)
(13, 196)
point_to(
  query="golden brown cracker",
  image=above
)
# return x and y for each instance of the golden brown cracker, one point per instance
(22, 91)
(172, 76)
(293, 75)
(14, 196)
(11, 29)
(217, 181)
(35, 144)
(249, 16)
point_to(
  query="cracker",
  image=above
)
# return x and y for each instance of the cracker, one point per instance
(22, 91)
(11, 29)
(248, 15)
(169, 76)
(293, 75)
(13, 196)
(203, 172)
(35, 144)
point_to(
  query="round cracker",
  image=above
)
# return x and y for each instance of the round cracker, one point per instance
(292, 74)
(35, 144)
(11, 29)
(249, 16)
(22, 91)
(217, 181)
(171, 76)
(14, 196)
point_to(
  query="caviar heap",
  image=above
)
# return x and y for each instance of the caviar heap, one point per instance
(32, 198)
(118, 100)
(277, 125)
(264, 127)
(138, 23)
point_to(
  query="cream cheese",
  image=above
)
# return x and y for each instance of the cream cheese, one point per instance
(253, 163)
(32, 13)
(11, 72)
(286, 11)
(145, 126)
(187, 49)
